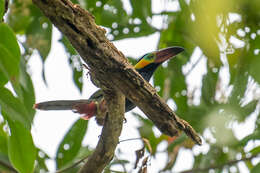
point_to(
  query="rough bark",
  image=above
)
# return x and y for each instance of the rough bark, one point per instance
(108, 141)
(110, 67)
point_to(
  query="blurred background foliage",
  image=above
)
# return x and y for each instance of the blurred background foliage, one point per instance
(221, 38)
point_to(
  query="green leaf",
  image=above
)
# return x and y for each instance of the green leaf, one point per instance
(255, 150)
(141, 9)
(8, 40)
(247, 109)
(14, 108)
(41, 159)
(8, 64)
(26, 89)
(178, 90)
(71, 144)
(67, 45)
(3, 79)
(209, 84)
(239, 77)
(254, 68)
(3, 139)
(256, 168)
(2, 9)
(74, 61)
(160, 77)
(21, 150)
(9, 55)
(254, 136)
(254, 59)
(77, 78)
(4, 159)
(195, 115)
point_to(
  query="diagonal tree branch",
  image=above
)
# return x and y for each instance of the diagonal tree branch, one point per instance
(7, 166)
(110, 67)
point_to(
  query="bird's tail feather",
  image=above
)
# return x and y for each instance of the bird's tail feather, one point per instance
(60, 104)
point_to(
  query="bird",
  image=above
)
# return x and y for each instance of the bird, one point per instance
(88, 108)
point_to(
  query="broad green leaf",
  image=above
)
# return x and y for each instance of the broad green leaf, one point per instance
(254, 136)
(256, 168)
(160, 77)
(41, 159)
(235, 61)
(195, 115)
(67, 45)
(26, 89)
(9, 66)
(4, 159)
(254, 58)
(255, 150)
(3, 139)
(3, 79)
(77, 78)
(178, 90)
(240, 83)
(9, 55)
(74, 61)
(14, 108)
(254, 68)
(141, 9)
(2, 9)
(71, 144)
(209, 84)
(21, 150)
(247, 109)
(83, 152)
(8, 40)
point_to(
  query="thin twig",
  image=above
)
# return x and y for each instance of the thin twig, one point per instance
(121, 163)
(6, 165)
(6, 5)
(231, 162)
(110, 170)
(131, 139)
(71, 166)
(194, 65)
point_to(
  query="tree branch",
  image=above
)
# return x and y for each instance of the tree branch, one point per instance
(111, 69)
(229, 163)
(110, 134)
(110, 66)
(7, 166)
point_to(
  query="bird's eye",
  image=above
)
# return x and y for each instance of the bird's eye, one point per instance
(149, 57)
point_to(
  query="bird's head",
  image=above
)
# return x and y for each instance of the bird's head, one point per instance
(148, 63)
(158, 57)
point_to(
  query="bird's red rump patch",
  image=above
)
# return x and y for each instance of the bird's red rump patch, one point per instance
(87, 110)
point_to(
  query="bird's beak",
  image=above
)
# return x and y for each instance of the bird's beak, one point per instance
(167, 53)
